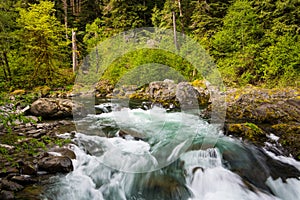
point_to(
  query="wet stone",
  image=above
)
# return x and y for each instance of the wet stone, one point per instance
(56, 164)
(6, 195)
(11, 186)
(24, 179)
(34, 131)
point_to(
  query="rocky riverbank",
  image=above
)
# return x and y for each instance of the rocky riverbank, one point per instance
(30, 151)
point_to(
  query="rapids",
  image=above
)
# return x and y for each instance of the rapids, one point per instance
(155, 154)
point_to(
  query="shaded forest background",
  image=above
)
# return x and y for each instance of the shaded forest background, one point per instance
(252, 41)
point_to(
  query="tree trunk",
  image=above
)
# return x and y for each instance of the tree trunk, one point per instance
(66, 16)
(79, 6)
(174, 30)
(7, 66)
(72, 3)
(181, 16)
(74, 51)
(3, 68)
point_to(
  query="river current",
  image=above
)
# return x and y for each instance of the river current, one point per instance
(156, 154)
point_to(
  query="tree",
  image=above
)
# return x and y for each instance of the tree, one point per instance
(236, 46)
(281, 61)
(43, 40)
(207, 19)
(7, 36)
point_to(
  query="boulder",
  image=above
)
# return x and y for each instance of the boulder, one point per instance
(65, 152)
(103, 88)
(162, 90)
(247, 131)
(55, 108)
(270, 106)
(275, 111)
(190, 97)
(11, 186)
(55, 164)
(6, 195)
(27, 168)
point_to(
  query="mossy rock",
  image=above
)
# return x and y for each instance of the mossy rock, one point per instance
(42, 91)
(246, 130)
(139, 96)
(289, 137)
(291, 142)
(281, 129)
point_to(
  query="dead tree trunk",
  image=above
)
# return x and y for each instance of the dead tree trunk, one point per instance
(66, 16)
(174, 30)
(72, 4)
(181, 16)
(74, 51)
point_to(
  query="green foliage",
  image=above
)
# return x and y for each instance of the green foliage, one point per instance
(250, 49)
(44, 45)
(252, 41)
(149, 56)
(281, 61)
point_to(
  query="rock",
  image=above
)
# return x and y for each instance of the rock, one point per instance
(103, 88)
(11, 186)
(55, 108)
(6, 195)
(9, 170)
(276, 111)
(125, 133)
(124, 91)
(289, 134)
(27, 168)
(55, 164)
(248, 131)
(34, 131)
(263, 105)
(24, 180)
(8, 147)
(189, 97)
(33, 118)
(65, 152)
(162, 90)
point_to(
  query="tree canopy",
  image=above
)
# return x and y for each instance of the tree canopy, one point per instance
(252, 42)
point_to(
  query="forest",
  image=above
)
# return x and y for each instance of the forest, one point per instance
(252, 41)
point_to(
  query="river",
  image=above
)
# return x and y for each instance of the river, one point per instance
(152, 153)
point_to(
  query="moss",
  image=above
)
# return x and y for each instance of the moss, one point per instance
(139, 96)
(246, 130)
(254, 127)
(199, 83)
(42, 90)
